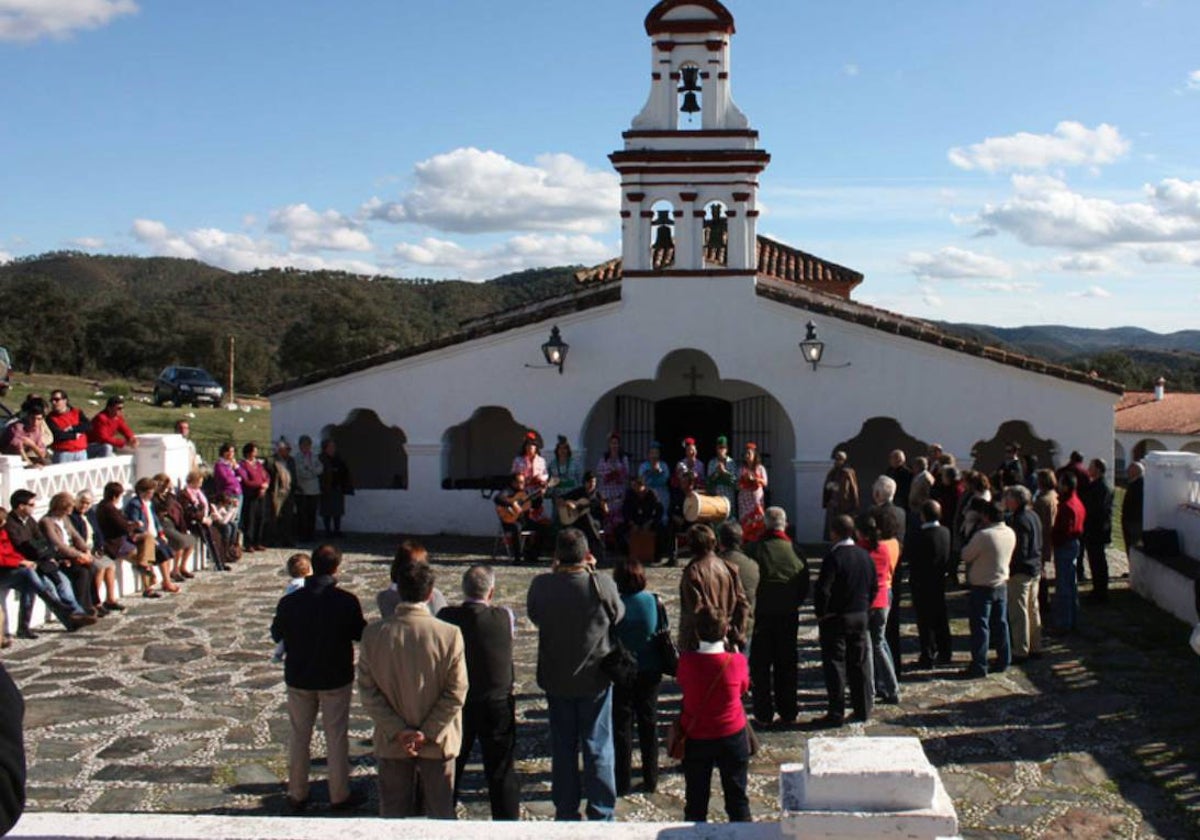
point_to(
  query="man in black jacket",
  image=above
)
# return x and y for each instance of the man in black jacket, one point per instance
(1024, 573)
(490, 710)
(845, 589)
(12, 753)
(1132, 504)
(1097, 500)
(318, 625)
(57, 593)
(928, 554)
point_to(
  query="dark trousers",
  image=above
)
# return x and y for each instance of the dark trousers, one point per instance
(254, 520)
(773, 666)
(525, 547)
(494, 724)
(846, 658)
(933, 622)
(639, 703)
(731, 757)
(83, 584)
(891, 630)
(1097, 558)
(591, 530)
(306, 517)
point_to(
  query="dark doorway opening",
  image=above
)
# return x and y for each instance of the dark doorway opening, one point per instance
(702, 418)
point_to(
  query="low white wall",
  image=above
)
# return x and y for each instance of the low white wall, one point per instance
(1163, 586)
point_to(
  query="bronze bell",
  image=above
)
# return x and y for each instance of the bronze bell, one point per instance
(690, 105)
(662, 232)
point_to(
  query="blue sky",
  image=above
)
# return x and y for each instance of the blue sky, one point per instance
(1024, 162)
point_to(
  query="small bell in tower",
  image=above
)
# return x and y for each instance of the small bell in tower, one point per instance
(662, 230)
(689, 88)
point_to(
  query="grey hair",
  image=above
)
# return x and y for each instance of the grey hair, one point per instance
(884, 489)
(478, 581)
(775, 519)
(1019, 494)
(84, 495)
(730, 535)
(571, 548)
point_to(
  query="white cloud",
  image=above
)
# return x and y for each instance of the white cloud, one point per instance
(850, 70)
(1193, 80)
(308, 230)
(525, 251)
(87, 243)
(1045, 211)
(1171, 252)
(473, 191)
(955, 264)
(28, 20)
(1085, 263)
(930, 297)
(1071, 144)
(1018, 287)
(234, 251)
(1091, 292)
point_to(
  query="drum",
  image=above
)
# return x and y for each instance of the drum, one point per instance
(707, 509)
(642, 546)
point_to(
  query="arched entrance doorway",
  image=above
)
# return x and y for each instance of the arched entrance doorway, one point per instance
(689, 398)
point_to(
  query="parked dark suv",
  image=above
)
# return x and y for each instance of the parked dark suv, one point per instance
(187, 385)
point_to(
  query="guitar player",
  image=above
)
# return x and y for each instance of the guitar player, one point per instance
(521, 517)
(591, 509)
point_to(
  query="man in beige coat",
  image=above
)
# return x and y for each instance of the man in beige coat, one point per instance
(412, 677)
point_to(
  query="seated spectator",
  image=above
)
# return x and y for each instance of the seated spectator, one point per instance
(225, 523)
(83, 517)
(407, 553)
(18, 572)
(197, 513)
(24, 437)
(140, 511)
(117, 533)
(27, 538)
(109, 432)
(69, 427)
(72, 553)
(169, 511)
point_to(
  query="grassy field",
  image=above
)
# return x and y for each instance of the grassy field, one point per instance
(210, 426)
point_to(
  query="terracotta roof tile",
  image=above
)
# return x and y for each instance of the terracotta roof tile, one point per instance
(1175, 414)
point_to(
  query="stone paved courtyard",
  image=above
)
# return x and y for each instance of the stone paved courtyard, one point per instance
(175, 707)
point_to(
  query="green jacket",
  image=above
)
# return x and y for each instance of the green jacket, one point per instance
(783, 576)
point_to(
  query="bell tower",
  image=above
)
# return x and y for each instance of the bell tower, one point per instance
(690, 166)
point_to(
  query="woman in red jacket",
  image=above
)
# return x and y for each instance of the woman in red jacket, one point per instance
(713, 682)
(255, 481)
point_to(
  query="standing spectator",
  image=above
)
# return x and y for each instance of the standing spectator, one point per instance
(140, 511)
(69, 426)
(319, 625)
(1132, 504)
(714, 721)
(109, 432)
(169, 510)
(1097, 527)
(637, 702)
(921, 487)
(12, 753)
(1024, 617)
(884, 555)
(729, 536)
(335, 487)
(71, 552)
(892, 521)
(899, 472)
(412, 677)
(708, 579)
(1045, 505)
(18, 572)
(255, 482)
(1076, 468)
(83, 517)
(1066, 534)
(987, 557)
(227, 482)
(281, 502)
(782, 588)
(183, 428)
(489, 714)
(27, 538)
(308, 489)
(840, 495)
(571, 607)
(928, 553)
(408, 552)
(845, 589)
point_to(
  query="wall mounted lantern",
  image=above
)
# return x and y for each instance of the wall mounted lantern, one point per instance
(555, 350)
(812, 347)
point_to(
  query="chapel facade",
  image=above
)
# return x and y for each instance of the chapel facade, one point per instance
(694, 331)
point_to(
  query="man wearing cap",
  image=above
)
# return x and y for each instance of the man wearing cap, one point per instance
(106, 427)
(722, 476)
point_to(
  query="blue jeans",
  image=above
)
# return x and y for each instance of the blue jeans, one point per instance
(69, 457)
(988, 613)
(887, 685)
(99, 450)
(1066, 586)
(585, 723)
(58, 583)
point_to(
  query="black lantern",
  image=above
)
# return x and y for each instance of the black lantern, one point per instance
(555, 350)
(812, 347)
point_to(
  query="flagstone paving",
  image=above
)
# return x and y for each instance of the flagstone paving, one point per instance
(175, 707)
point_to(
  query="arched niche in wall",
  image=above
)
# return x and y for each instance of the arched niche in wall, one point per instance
(663, 231)
(1148, 445)
(1192, 446)
(1119, 458)
(868, 451)
(988, 455)
(478, 453)
(716, 229)
(373, 451)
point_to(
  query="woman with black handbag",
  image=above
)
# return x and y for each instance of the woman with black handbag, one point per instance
(639, 701)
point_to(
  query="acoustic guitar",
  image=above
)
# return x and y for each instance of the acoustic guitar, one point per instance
(522, 503)
(570, 512)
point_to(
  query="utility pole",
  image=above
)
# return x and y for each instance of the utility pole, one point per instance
(230, 399)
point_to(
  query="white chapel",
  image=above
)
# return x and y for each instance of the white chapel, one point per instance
(695, 331)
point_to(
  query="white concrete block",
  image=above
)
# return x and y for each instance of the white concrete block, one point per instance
(938, 820)
(864, 774)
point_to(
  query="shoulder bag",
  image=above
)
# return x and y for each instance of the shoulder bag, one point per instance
(619, 665)
(664, 645)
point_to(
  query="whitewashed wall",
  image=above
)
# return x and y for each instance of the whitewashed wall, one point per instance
(936, 394)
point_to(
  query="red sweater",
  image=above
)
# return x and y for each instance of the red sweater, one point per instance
(10, 558)
(61, 424)
(885, 557)
(1068, 523)
(721, 715)
(106, 427)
